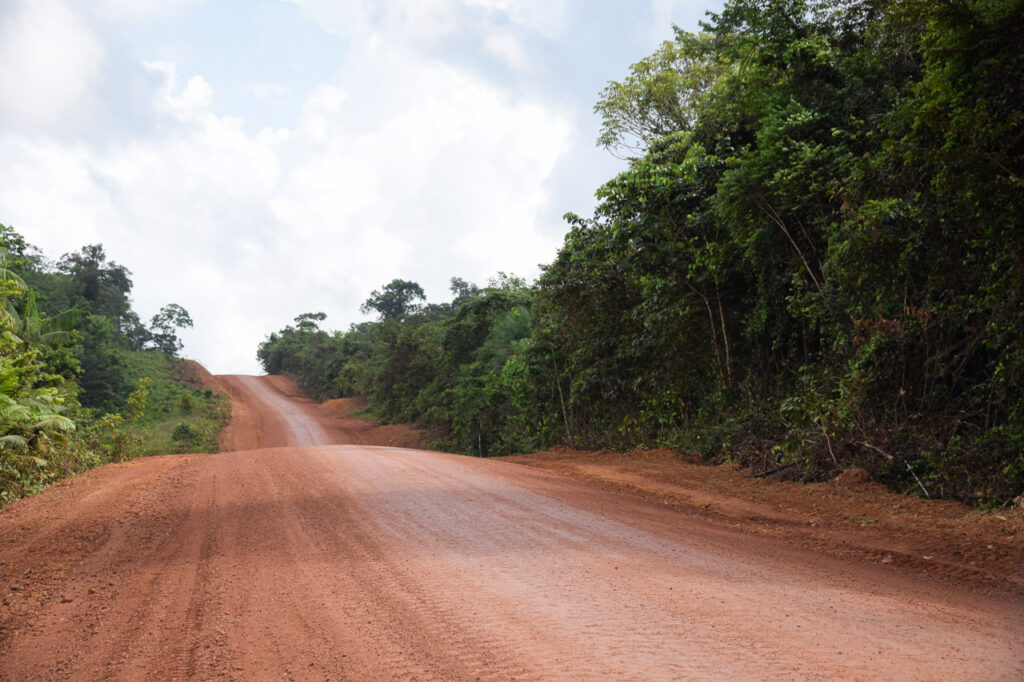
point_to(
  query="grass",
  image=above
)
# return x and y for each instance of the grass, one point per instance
(177, 418)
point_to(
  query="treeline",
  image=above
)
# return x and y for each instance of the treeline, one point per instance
(83, 380)
(814, 260)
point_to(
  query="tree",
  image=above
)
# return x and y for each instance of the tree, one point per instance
(462, 291)
(134, 334)
(21, 254)
(307, 322)
(659, 97)
(164, 326)
(394, 300)
(104, 284)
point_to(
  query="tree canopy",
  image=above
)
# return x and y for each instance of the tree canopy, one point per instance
(394, 300)
(164, 328)
(814, 260)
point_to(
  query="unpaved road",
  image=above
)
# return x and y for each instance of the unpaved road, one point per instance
(363, 562)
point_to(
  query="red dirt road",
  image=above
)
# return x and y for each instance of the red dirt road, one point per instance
(361, 562)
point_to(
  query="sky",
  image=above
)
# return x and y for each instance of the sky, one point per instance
(252, 160)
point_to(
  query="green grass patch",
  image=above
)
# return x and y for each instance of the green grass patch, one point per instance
(178, 418)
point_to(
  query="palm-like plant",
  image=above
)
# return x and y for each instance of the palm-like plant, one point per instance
(33, 328)
(29, 425)
(11, 284)
(30, 417)
(507, 336)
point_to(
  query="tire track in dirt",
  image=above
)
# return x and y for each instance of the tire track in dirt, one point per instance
(638, 602)
(262, 416)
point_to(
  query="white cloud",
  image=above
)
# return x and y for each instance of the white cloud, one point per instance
(508, 48)
(140, 9)
(402, 164)
(404, 167)
(430, 22)
(270, 92)
(191, 103)
(548, 18)
(415, 20)
(50, 62)
(686, 13)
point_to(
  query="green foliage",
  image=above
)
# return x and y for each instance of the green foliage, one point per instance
(83, 301)
(170, 404)
(659, 97)
(815, 258)
(69, 361)
(34, 429)
(164, 326)
(442, 364)
(394, 300)
(307, 322)
(831, 231)
(181, 432)
(104, 284)
(111, 434)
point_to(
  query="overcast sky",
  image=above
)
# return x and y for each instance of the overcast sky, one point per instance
(256, 159)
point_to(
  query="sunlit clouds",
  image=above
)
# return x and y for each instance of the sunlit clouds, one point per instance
(440, 139)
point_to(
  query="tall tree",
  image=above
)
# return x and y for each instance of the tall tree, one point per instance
(164, 328)
(104, 284)
(309, 322)
(394, 300)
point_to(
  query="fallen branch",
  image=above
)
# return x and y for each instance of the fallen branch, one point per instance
(918, 480)
(877, 449)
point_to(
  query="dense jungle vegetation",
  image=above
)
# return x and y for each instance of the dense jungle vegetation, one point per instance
(82, 380)
(814, 260)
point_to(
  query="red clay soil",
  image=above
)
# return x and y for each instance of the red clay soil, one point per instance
(850, 516)
(196, 376)
(258, 423)
(297, 558)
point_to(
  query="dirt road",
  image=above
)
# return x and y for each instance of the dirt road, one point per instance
(361, 562)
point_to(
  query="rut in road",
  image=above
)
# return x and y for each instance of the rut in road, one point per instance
(364, 562)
